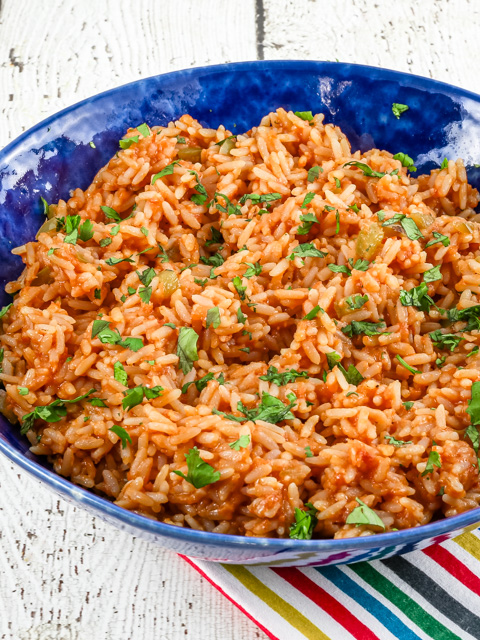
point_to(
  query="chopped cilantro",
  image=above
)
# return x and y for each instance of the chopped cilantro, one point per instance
(356, 328)
(434, 460)
(444, 164)
(308, 220)
(445, 341)
(313, 174)
(119, 373)
(135, 396)
(230, 209)
(240, 289)
(305, 523)
(126, 143)
(367, 171)
(406, 161)
(242, 318)
(256, 198)
(406, 365)
(398, 109)
(201, 196)
(52, 412)
(122, 434)
(23, 391)
(363, 514)
(283, 378)
(304, 115)
(200, 473)
(408, 225)
(432, 274)
(166, 171)
(306, 250)
(395, 442)
(213, 317)
(313, 313)
(439, 237)
(145, 294)
(104, 242)
(308, 452)
(241, 443)
(408, 405)
(356, 302)
(217, 237)
(113, 261)
(143, 129)
(111, 213)
(307, 199)
(187, 348)
(253, 270)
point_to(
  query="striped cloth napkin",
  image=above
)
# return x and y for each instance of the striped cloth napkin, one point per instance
(432, 594)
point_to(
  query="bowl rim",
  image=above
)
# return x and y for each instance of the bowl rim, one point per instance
(100, 505)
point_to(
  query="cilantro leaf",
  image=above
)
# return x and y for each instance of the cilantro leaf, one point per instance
(111, 214)
(113, 261)
(86, 231)
(470, 315)
(122, 434)
(408, 225)
(363, 514)
(308, 198)
(217, 237)
(187, 348)
(253, 270)
(308, 451)
(166, 171)
(241, 317)
(304, 115)
(143, 129)
(356, 328)
(395, 442)
(356, 302)
(213, 318)
(283, 378)
(23, 391)
(201, 196)
(398, 109)
(434, 460)
(71, 229)
(145, 294)
(119, 373)
(340, 268)
(215, 260)
(200, 473)
(367, 171)
(52, 412)
(432, 274)
(230, 209)
(417, 297)
(406, 161)
(473, 408)
(313, 313)
(406, 365)
(306, 250)
(445, 341)
(444, 164)
(305, 523)
(308, 220)
(408, 405)
(146, 276)
(439, 237)
(135, 396)
(134, 344)
(126, 143)
(240, 289)
(241, 443)
(5, 309)
(256, 198)
(313, 173)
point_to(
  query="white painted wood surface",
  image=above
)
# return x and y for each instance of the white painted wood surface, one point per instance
(65, 575)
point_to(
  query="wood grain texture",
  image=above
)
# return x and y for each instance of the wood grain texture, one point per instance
(65, 575)
(435, 38)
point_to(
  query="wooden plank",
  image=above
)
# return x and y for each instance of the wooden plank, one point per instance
(429, 38)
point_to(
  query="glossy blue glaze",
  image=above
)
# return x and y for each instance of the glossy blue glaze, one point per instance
(55, 156)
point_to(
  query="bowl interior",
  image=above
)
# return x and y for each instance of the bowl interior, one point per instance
(56, 155)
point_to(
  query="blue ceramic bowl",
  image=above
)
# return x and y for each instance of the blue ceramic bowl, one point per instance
(55, 156)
